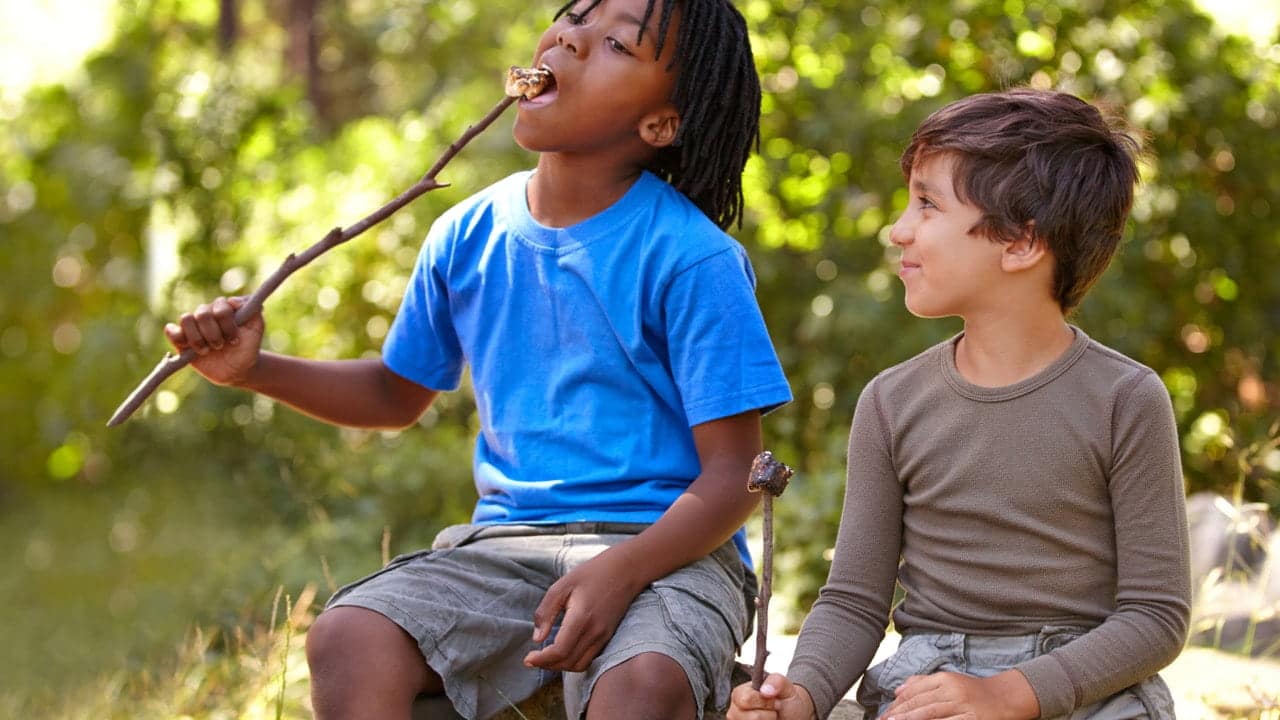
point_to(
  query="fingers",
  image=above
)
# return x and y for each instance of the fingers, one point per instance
(745, 700)
(578, 641)
(920, 697)
(544, 616)
(548, 610)
(209, 327)
(777, 686)
(777, 699)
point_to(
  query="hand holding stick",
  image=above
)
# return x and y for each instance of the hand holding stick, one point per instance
(770, 477)
(172, 363)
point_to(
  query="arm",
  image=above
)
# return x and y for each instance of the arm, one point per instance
(701, 519)
(357, 393)
(722, 361)
(847, 622)
(1153, 587)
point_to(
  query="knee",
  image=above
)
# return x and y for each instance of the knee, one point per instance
(660, 680)
(345, 635)
(329, 637)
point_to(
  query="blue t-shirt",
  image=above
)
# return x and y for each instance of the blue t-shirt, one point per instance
(593, 348)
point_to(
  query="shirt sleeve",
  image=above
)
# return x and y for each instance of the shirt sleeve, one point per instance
(422, 344)
(721, 356)
(847, 622)
(1153, 584)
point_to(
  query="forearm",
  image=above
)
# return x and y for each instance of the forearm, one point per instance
(847, 622)
(356, 393)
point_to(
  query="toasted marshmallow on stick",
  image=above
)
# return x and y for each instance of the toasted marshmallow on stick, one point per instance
(528, 83)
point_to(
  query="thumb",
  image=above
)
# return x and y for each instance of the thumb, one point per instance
(252, 322)
(777, 686)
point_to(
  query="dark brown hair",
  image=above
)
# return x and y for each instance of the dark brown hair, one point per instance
(1042, 161)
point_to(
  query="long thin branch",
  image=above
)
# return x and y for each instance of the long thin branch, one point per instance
(172, 363)
(762, 601)
(769, 477)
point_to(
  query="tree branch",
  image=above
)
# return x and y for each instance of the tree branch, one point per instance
(172, 363)
(770, 478)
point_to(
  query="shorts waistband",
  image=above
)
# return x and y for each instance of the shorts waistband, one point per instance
(1047, 639)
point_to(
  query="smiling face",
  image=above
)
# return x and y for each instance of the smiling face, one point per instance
(946, 269)
(612, 94)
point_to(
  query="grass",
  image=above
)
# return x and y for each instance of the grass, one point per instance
(249, 674)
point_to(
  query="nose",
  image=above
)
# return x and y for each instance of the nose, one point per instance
(902, 232)
(569, 39)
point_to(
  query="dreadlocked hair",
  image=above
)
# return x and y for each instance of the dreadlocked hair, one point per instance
(718, 97)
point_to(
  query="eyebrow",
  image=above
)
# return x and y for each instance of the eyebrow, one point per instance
(924, 187)
(628, 17)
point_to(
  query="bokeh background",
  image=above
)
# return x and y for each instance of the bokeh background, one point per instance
(155, 153)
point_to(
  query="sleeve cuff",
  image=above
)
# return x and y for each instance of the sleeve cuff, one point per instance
(823, 697)
(1052, 685)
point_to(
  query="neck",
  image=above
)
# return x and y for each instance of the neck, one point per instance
(1003, 350)
(566, 190)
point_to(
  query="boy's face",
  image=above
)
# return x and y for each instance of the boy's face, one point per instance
(945, 269)
(611, 94)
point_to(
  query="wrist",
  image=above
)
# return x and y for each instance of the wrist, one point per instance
(252, 377)
(1018, 699)
(627, 567)
(809, 711)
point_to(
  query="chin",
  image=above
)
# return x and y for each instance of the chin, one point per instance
(922, 310)
(525, 139)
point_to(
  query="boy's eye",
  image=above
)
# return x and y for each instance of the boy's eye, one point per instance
(926, 203)
(574, 18)
(617, 46)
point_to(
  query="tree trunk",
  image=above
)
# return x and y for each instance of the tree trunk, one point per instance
(303, 54)
(228, 24)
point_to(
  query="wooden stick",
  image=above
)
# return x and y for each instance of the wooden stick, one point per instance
(762, 600)
(171, 363)
(770, 477)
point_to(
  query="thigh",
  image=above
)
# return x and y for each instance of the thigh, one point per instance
(696, 616)
(469, 609)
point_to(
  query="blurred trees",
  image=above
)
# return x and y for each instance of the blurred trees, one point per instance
(209, 139)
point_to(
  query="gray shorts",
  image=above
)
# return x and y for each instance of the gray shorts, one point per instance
(985, 655)
(469, 602)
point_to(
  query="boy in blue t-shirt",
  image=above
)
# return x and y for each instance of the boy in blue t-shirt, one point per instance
(620, 366)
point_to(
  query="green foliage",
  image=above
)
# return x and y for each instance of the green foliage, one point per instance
(166, 172)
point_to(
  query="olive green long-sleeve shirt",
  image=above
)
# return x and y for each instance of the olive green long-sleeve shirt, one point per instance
(1058, 500)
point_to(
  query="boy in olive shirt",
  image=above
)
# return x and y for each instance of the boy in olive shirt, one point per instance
(1020, 481)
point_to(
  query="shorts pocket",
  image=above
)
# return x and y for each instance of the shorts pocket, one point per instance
(713, 583)
(916, 655)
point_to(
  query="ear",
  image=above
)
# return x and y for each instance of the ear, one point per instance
(1025, 252)
(658, 129)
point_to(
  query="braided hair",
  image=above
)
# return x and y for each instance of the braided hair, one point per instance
(718, 97)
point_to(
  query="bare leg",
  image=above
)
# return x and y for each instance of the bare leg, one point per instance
(364, 666)
(649, 686)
